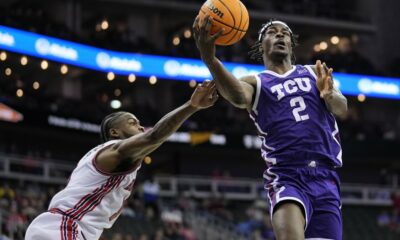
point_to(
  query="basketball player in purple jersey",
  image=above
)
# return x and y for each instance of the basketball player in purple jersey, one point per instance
(293, 108)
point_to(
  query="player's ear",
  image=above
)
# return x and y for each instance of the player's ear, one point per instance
(114, 133)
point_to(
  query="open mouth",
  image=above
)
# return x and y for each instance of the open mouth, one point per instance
(280, 44)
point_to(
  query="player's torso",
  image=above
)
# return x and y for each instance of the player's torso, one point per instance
(94, 198)
(294, 122)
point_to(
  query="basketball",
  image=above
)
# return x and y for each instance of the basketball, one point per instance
(231, 15)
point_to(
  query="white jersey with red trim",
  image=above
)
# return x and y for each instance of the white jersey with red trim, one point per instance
(94, 198)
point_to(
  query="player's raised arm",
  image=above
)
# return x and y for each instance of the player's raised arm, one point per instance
(237, 92)
(140, 145)
(334, 99)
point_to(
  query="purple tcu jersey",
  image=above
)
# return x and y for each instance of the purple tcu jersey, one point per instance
(294, 123)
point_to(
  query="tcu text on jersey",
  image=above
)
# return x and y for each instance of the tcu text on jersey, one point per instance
(291, 86)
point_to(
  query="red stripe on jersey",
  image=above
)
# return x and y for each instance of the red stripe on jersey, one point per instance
(97, 201)
(68, 228)
(92, 200)
(62, 228)
(83, 201)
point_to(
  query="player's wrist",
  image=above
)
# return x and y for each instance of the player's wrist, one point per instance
(327, 96)
(208, 60)
(192, 106)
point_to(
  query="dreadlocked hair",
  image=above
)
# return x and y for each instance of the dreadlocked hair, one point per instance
(256, 51)
(108, 123)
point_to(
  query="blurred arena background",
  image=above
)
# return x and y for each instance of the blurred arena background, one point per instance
(206, 182)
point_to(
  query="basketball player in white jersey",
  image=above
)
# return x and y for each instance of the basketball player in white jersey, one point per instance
(104, 177)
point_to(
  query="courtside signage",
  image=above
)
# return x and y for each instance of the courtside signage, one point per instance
(164, 67)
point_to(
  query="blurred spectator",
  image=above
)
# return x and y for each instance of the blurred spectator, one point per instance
(187, 232)
(117, 236)
(396, 202)
(127, 210)
(172, 231)
(396, 210)
(128, 237)
(218, 205)
(383, 219)
(159, 235)
(385, 178)
(3, 236)
(16, 222)
(7, 193)
(143, 236)
(172, 216)
(151, 190)
(28, 210)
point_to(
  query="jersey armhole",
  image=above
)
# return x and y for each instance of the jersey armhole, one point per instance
(256, 95)
(309, 68)
(135, 167)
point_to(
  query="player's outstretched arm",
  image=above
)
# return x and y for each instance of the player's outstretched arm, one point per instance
(334, 99)
(237, 92)
(139, 146)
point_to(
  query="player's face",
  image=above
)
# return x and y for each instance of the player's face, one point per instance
(277, 42)
(129, 126)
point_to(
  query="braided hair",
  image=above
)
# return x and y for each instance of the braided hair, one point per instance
(108, 123)
(256, 52)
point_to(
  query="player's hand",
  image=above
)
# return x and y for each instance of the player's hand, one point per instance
(205, 95)
(205, 42)
(324, 79)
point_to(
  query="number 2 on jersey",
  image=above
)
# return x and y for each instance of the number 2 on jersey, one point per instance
(299, 106)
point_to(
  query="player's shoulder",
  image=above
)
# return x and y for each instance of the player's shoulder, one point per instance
(102, 147)
(310, 67)
(250, 79)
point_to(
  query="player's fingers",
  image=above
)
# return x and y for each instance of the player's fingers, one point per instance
(330, 71)
(318, 68)
(218, 34)
(325, 67)
(210, 95)
(206, 83)
(322, 94)
(203, 23)
(330, 82)
(326, 83)
(195, 26)
(323, 71)
(212, 88)
(214, 96)
(212, 84)
(209, 25)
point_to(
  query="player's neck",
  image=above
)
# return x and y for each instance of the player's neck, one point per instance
(280, 67)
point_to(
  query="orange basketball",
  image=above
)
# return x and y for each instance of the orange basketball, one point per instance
(231, 15)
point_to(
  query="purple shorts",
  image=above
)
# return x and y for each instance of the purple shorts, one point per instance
(314, 188)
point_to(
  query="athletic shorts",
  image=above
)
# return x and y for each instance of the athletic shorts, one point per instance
(314, 188)
(54, 226)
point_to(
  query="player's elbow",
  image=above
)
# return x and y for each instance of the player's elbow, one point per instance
(133, 146)
(239, 101)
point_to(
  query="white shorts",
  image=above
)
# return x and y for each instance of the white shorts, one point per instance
(54, 226)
